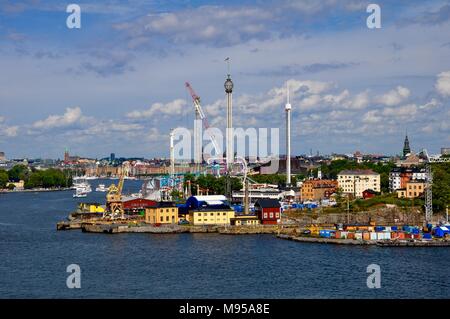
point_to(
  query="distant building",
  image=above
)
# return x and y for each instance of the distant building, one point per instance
(2, 156)
(357, 181)
(132, 205)
(268, 211)
(209, 210)
(399, 176)
(315, 190)
(445, 151)
(162, 213)
(406, 148)
(368, 193)
(413, 189)
(245, 220)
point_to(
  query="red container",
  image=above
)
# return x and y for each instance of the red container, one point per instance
(351, 236)
(338, 234)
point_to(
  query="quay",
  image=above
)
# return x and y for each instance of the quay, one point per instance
(378, 243)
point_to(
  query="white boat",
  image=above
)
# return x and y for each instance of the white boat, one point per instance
(101, 188)
(79, 192)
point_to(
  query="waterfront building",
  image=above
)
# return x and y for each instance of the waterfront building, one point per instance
(445, 151)
(315, 190)
(162, 213)
(368, 193)
(209, 210)
(245, 220)
(355, 182)
(268, 211)
(2, 156)
(133, 205)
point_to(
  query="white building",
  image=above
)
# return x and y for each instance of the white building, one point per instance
(355, 182)
(400, 175)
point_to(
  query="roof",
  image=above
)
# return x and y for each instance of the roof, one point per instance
(210, 202)
(358, 172)
(267, 203)
(370, 191)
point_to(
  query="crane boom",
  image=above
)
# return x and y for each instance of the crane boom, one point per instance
(199, 110)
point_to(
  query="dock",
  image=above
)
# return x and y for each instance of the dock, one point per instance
(378, 243)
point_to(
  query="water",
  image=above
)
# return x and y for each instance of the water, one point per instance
(34, 257)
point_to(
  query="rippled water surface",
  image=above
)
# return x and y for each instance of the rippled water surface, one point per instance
(34, 257)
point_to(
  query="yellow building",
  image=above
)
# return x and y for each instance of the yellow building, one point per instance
(211, 217)
(162, 213)
(245, 220)
(414, 189)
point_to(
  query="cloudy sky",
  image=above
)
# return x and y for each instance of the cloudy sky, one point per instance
(117, 84)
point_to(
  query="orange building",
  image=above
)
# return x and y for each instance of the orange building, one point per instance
(317, 189)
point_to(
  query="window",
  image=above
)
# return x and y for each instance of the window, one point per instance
(271, 215)
(161, 219)
(212, 214)
(167, 218)
(265, 215)
(224, 214)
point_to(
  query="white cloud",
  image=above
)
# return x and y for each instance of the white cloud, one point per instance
(432, 104)
(372, 117)
(176, 107)
(70, 117)
(408, 110)
(443, 84)
(394, 97)
(9, 131)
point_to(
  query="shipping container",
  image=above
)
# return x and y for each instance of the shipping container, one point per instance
(394, 228)
(388, 229)
(366, 236)
(351, 235)
(379, 228)
(359, 236)
(373, 236)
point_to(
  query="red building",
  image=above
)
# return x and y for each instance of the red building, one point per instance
(268, 211)
(137, 205)
(369, 193)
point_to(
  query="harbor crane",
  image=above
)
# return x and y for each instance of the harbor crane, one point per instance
(114, 203)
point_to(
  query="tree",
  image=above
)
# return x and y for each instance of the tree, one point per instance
(18, 172)
(4, 178)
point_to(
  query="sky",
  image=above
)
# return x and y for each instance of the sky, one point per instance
(117, 83)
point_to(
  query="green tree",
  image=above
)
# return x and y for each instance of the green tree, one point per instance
(4, 178)
(18, 172)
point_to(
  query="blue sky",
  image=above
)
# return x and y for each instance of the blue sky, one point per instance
(117, 84)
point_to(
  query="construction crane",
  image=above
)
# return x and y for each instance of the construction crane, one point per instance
(201, 115)
(428, 188)
(114, 204)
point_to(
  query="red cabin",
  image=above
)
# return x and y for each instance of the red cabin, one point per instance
(268, 211)
(369, 193)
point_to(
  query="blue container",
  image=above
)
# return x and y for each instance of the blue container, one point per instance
(427, 236)
(379, 228)
(325, 233)
(415, 231)
(394, 228)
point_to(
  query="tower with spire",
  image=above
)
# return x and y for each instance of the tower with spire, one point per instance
(406, 148)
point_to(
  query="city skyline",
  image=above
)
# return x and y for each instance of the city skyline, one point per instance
(117, 84)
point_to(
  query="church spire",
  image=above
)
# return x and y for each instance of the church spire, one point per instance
(406, 148)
